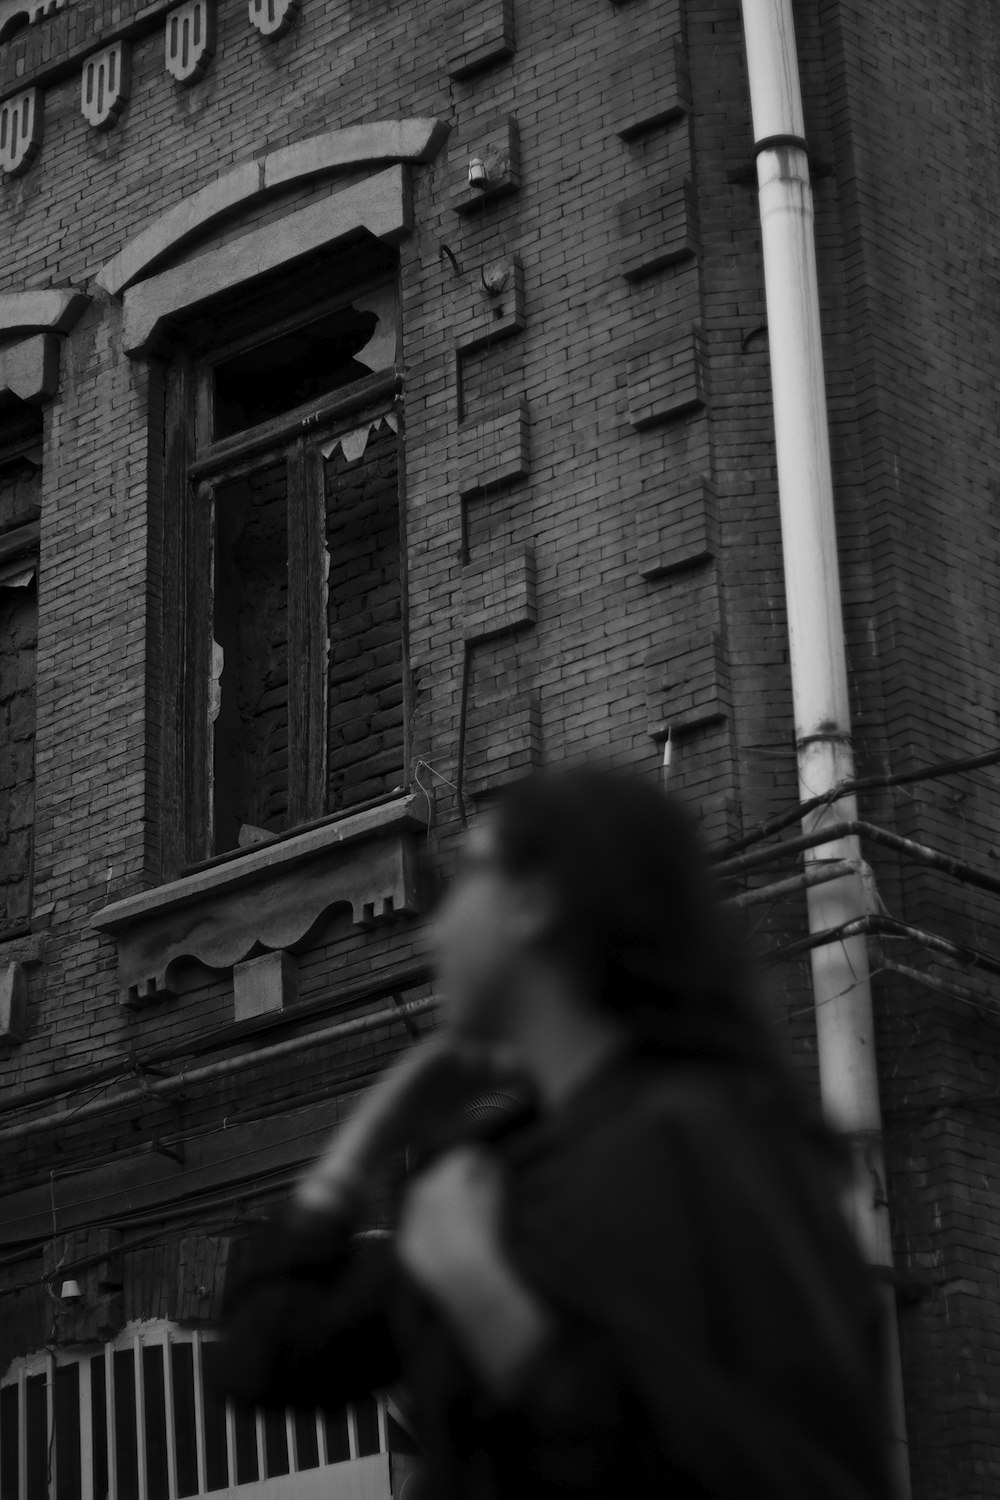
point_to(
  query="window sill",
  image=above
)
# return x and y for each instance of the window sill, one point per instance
(274, 896)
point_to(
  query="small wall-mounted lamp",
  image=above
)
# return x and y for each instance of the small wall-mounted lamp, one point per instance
(70, 1292)
(479, 178)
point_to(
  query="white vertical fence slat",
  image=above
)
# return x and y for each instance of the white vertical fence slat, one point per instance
(168, 1405)
(261, 1455)
(50, 1423)
(87, 1430)
(231, 1442)
(111, 1419)
(140, 1415)
(199, 1411)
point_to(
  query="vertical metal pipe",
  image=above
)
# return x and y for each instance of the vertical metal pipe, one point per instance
(841, 982)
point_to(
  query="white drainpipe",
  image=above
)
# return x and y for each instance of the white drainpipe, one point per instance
(841, 983)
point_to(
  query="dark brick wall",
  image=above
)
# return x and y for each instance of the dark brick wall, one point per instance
(365, 679)
(604, 411)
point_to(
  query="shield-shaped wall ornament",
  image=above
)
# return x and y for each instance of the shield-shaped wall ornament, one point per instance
(20, 131)
(104, 84)
(273, 17)
(190, 39)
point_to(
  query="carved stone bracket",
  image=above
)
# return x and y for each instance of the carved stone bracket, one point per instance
(274, 897)
(189, 40)
(105, 84)
(20, 131)
(273, 18)
(29, 369)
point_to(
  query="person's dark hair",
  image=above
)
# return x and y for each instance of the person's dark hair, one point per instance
(639, 914)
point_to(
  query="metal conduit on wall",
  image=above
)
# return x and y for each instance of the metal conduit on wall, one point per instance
(841, 985)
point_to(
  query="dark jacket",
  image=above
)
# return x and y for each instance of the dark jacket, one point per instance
(717, 1333)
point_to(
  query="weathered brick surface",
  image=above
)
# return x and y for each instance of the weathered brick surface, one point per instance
(643, 487)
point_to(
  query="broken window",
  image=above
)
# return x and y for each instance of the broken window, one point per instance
(293, 678)
(20, 498)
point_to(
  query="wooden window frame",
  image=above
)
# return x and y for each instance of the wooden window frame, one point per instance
(195, 464)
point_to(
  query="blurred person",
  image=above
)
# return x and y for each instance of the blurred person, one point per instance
(640, 1282)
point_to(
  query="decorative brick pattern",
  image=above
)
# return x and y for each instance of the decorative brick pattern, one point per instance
(658, 227)
(486, 37)
(494, 450)
(666, 379)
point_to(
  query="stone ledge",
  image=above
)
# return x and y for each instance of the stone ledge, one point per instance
(273, 897)
(417, 140)
(26, 950)
(380, 204)
(40, 310)
(29, 369)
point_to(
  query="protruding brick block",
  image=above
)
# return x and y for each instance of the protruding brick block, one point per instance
(666, 379)
(498, 596)
(677, 529)
(658, 228)
(498, 147)
(687, 685)
(503, 741)
(263, 984)
(494, 450)
(650, 88)
(492, 305)
(486, 37)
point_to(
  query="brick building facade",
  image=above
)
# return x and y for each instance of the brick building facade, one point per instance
(336, 489)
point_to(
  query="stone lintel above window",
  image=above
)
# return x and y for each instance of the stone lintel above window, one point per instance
(273, 897)
(380, 205)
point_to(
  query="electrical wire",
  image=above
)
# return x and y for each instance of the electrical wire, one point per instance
(800, 810)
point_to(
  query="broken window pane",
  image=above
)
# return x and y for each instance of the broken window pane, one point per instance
(250, 694)
(304, 364)
(365, 708)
